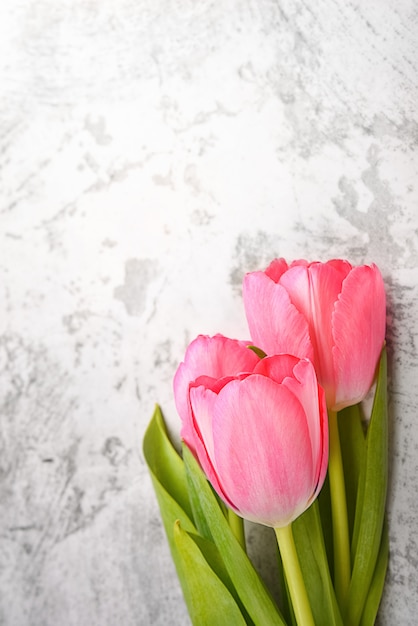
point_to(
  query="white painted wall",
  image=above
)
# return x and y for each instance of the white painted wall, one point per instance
(151, 152)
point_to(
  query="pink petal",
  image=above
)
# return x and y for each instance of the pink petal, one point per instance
(275, 324)
(299, 377)
(304, 385)
(276, 268)
(312, 397)
(358, 327)
(182, 379)
(202, 402)
(262, 450)
(216, 357)
(341, 266)
(314, 291)
(277, 367)
(199, 436)
(322, 466)
(202, 393)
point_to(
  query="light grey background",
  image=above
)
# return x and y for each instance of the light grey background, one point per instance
(151, 152)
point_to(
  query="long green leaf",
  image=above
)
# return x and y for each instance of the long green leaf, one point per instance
(376, 588)
(216, 563)
(324, 505)
(208, 600)
(164, 462)
(371, 502)
(199, 512)
(169, 480)
(249, 586)
(353, 448)
(310, 546)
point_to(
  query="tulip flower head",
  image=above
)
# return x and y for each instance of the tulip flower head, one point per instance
(332, 313)
(260, 432)
(215, 357)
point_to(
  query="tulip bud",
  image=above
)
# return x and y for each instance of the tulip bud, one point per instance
(260, 435)
(331, 313)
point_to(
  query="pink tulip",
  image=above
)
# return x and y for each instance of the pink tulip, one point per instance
(261, 435)
(331, 313)
(215, 357)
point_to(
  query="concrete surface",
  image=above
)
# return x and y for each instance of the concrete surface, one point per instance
(151, 152)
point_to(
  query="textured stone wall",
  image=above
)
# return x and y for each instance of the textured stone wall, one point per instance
(150, 154)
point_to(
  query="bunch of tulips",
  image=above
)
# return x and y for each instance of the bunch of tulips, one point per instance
(273, 432)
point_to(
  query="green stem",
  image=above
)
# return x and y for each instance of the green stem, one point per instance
(236, 524)
(294, 577)
(342, 561)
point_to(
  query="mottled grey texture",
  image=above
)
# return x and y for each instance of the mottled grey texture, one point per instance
(150, 154)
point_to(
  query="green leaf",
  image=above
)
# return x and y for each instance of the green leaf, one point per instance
(324, 505)
(250, 588)
(310, 546)
(169, 480)
(216, 563)
(376, 588)
(353, 449)
(198, 509)
(258, 351)
(371, 501)
(164, 462)
(208, 600)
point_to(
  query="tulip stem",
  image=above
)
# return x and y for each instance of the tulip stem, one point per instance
(342, 561)
(294, 577)
(236, 524)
